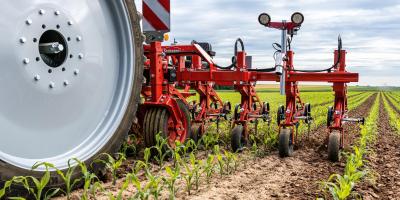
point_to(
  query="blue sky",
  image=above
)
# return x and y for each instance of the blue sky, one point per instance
(370, 30)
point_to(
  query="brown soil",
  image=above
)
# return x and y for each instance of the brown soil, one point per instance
(385, 162)
(271, 177)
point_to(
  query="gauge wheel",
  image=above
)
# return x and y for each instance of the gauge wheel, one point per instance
(334, 146)
(285, 143)
(237, 138)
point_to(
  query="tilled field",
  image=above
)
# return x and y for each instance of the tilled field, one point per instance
(296, 177)
(385, 163)
(275, 178)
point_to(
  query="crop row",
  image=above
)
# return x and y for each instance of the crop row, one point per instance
(340, 186)
(394, 117)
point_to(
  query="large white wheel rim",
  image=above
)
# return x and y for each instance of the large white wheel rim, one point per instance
(53, 113)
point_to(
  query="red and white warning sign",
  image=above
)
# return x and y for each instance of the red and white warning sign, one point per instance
(156, 15)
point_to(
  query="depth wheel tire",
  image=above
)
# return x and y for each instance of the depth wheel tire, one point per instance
(156, 121)
(334, 146)
(237, 140)
(79, 109)
(185, 108)
(285, 144)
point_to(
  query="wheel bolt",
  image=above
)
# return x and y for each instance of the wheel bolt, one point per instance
(52, 85)
(76, 72)
(37, 77)
(22, 40)
(42, 12)
(66, 83)
(79, 38)
(80, 56)
(70, 23)
(57, 12)
(26, 61)
(28, 22)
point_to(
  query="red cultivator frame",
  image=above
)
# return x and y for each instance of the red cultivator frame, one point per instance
(166, 110)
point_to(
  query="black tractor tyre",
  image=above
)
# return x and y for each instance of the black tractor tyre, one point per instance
(8, 171)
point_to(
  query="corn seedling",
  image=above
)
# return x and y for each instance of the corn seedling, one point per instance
(7, 184)
(67, 177)
(155, 185)
(142, 192)
(174, 175)
(196, 165)
(88, 178)
(147, 155)
(209, 167)
(220, 159)
(112, 164)
(162, 150)
(39, 185)
(188, 176)
(124, 187)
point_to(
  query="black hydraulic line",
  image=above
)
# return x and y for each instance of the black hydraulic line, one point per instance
(330, 68)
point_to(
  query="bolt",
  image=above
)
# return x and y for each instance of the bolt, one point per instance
(26, 61)
(152, 75)
(42, 12)
(76, 72)
(70, 23)
(22, 40)
(37, 77)
(57, 12)
(66, 83)
(78, 38)
(52, 85)
(234, 82)
(28, 22)
(80, 56)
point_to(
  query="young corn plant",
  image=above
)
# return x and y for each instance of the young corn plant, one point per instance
(67, 177)
(146, 157)
(188, 176)
(173, 176)
(220, 159)
(39, 185)
(111, 163)
(124, 187)
(88, 179)
(155, 185)
(208, 167)
(162, 150)
(177, 151)
(228, 161)
(8, 184)
(142, 192)
(196, 166)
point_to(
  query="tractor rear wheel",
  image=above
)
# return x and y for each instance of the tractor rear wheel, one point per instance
(285, 143)
(74, 101)
(334, 146)
(237, 138)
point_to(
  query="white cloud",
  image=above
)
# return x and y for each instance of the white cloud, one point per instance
(370, 30)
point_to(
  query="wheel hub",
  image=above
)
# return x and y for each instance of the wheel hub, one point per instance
(52, 49)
